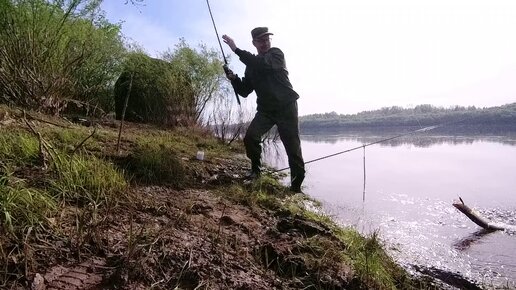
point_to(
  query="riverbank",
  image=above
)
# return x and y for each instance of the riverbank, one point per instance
(79, 214)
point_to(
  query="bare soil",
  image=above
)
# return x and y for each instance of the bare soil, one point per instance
(183, 239)
(166, 238)
(197, 237)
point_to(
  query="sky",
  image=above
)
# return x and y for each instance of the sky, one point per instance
(348, 56)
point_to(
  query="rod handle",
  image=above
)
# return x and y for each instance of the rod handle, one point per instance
(227, 71)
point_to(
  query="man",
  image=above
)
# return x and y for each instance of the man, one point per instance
(266, 73)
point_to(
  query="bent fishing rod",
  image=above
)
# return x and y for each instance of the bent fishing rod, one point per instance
(368, 144)
(220, 45)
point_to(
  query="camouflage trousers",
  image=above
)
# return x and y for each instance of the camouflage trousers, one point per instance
(286, 120)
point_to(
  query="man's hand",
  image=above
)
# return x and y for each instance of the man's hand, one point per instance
(230, 42)
(229, 73)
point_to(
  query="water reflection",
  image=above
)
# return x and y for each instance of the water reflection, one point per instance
(418, 141)
(411, 183)
(465, 243)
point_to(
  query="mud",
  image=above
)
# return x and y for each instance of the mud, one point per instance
(164, 238)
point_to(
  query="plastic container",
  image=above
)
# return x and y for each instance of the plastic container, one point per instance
(200, 155)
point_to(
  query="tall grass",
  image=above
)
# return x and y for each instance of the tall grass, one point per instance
(85, 178)
(80, 178)
(22, 207)
(52, 51)
(369, 258)
(17, 147)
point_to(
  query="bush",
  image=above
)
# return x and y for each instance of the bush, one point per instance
(158, 93)
(202, 70)
(54, 51)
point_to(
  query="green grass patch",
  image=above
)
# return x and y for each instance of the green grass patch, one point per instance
(186, 141)
(69, 139)
(86, 178)
(265, 191)
(323, 254)
(369, 258)
(17, 147)
(22, 207)
(157, 164)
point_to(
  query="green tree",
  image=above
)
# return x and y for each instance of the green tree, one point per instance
(202, 71)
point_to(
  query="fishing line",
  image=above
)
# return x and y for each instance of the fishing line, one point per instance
(428, 128)
(365, 145)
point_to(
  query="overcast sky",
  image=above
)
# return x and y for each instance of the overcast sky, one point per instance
(355, 55)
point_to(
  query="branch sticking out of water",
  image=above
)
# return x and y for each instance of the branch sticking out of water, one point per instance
(476, 217)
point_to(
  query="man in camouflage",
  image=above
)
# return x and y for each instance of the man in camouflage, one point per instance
(266, 74)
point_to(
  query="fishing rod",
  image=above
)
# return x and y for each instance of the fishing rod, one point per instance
(221, 49)
(368, 144)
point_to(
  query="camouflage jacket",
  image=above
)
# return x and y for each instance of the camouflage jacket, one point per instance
(267, 75)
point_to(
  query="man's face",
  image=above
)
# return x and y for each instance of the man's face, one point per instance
(262, 44)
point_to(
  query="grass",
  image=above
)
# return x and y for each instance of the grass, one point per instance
(157, 164)
(82, 178)
(265, 191)
(22, 207)
(185, 141)
(87, 180)
(366, 254)
(17, 147)
(67, 137)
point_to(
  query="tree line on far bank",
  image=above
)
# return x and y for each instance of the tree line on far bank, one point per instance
(453, 118)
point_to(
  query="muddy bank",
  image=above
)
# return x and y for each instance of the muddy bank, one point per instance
(212, 231)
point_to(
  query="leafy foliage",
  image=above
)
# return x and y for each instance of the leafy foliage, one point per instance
(202, 70)
(54, 51)
(151, 88)
(64, 56)
(174, 90)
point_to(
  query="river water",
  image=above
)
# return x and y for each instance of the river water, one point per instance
(404, 189)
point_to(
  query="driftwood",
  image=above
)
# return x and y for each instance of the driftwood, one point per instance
(476, 217)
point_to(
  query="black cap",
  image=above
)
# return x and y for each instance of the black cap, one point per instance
(259, 32)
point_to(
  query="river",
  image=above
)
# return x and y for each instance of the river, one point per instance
(404, 189)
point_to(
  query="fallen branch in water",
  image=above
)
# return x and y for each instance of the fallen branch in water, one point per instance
(476, 217)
